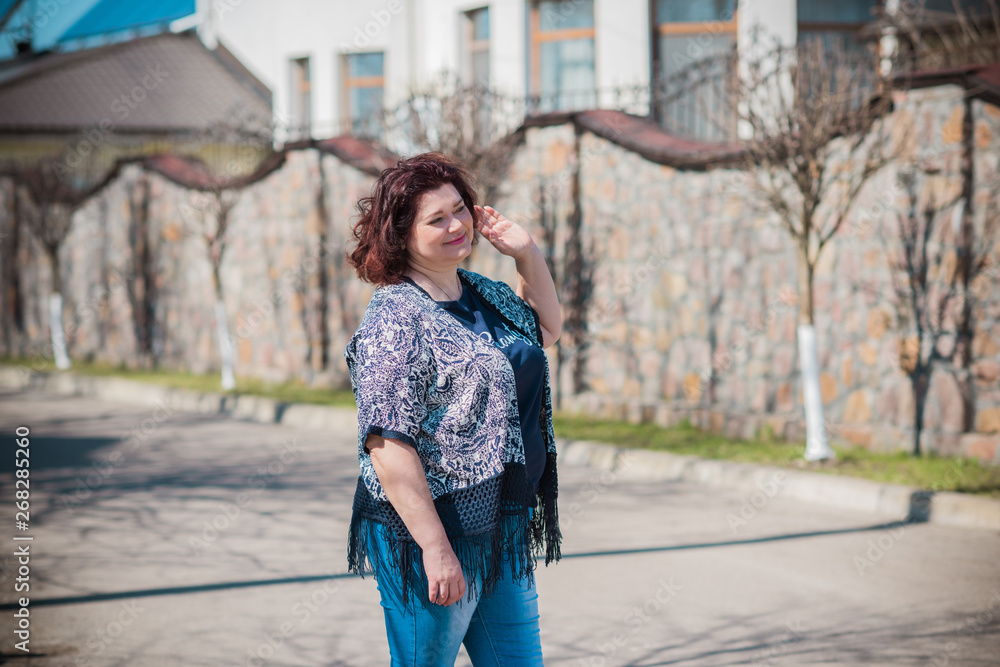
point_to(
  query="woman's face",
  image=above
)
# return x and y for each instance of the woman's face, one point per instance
(442, 230)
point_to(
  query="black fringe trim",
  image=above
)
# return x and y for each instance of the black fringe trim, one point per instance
(545, 524)
(479, 540)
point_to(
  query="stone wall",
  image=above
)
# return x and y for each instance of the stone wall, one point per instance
(688, 270)
(687, 275)
(269, 274)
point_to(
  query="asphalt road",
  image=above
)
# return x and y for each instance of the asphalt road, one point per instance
(169, 538)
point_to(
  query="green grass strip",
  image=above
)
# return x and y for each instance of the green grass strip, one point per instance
(930, 471)
(290, 392)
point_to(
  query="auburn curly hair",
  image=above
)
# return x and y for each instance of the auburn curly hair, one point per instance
(387, 214)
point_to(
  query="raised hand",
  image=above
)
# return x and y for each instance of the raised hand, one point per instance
(508, 237)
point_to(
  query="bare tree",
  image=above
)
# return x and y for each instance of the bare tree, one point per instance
(241, 152)
(548, 223)
(141, 286)
(46, 202)
(572, 270)
(920, 39)
(938, 269)
(815, 116)
(578, 274)
(13, 295)
(469, 121)
(322, 273)
(330, 264)
(209, 214)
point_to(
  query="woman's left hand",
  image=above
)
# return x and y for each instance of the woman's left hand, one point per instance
(508, 237)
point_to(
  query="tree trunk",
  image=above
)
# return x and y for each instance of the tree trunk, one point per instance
(805, 268)
(141, 283)
(577, 278)
(547, 224)
(921, 385)
(56, 331)
(324, 278)
(817, 447)
(13, 301)
(216, 251)
(965, 326)
(225, 345)
(104, 304)
(55, 312)
(222, 330)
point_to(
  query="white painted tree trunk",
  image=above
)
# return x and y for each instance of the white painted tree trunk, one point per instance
(817, 447)
(225, 348)
(56, 332)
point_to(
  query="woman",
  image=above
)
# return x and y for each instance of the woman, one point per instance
(455, 434)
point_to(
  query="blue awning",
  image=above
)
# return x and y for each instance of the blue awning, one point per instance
(7, 7)
(110, 16)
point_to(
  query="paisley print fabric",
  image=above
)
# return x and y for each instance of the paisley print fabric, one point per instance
(420, 376)
(525, 357)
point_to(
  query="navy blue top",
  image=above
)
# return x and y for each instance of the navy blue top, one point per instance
(526, 358)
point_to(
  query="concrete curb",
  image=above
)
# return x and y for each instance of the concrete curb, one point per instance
(759, 481)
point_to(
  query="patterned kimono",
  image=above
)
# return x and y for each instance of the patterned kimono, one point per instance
(419, 375)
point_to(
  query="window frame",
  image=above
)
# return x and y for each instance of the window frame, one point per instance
(300, 73)
(473, 46)
(350, 83)
(536, 37)
(658, 30)
(852, 28)
(681, 28)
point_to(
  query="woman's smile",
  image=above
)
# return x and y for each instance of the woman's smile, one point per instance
(460, 239)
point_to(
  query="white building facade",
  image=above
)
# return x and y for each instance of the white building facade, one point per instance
(332, 64)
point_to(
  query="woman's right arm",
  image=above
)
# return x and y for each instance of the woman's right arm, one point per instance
(401, 475)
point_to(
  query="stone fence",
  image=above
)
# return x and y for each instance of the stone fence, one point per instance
(691, 313)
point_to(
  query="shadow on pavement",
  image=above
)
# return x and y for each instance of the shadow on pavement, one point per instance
(752, 540)
(179, 590)
(176, 590)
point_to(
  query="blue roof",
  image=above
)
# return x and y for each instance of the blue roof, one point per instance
(113, 15)
(6, 6)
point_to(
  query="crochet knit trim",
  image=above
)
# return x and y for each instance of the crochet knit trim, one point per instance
(503, 504)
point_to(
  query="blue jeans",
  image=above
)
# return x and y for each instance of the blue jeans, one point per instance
(498, 631)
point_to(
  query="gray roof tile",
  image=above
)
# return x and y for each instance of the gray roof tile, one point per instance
(171, 82)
